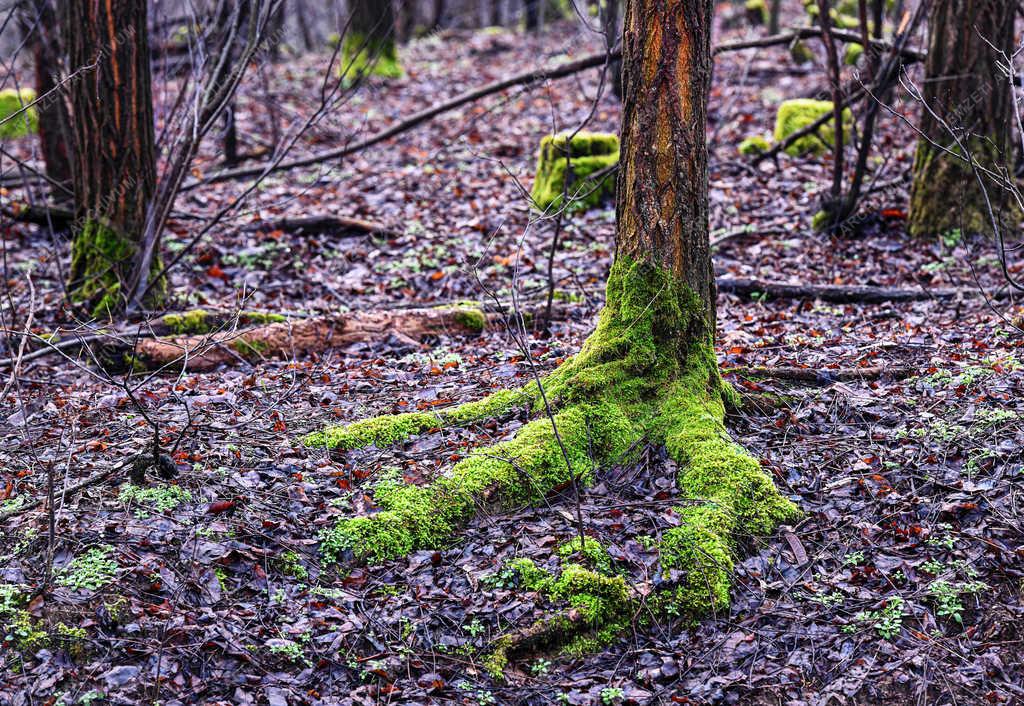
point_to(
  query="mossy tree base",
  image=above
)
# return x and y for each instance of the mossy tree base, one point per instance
(946, 197)
(647, 374)
(101, 266)
(363, 57)
(564, 165)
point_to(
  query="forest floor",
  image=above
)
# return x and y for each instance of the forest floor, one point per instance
(901, 585)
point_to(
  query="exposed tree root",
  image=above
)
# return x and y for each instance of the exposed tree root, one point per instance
(283, 339)
(643, 374)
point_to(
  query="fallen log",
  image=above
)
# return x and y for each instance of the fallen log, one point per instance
(295, 338)
(320, 224)
(842, 294)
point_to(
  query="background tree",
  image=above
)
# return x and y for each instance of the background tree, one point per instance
(648, 373)
(370, 40)
(39, 26)
(966, 114)
(113, 156)
(531, 15)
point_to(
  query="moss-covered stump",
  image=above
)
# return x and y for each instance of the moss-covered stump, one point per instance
(634, 380)
(564, 165)
(945, 196)
(799, 113)
(15, 119)
(364, 57)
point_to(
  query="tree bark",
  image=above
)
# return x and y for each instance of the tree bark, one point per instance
(370, 40)
(662, 210)
(114, 159)
(966, 91)
(531, 10)
(39, 23)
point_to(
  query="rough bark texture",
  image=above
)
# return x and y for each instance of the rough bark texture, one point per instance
(663, 177)
(966, 90)
(114, 167)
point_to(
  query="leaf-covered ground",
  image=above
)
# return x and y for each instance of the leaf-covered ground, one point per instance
(902, 584)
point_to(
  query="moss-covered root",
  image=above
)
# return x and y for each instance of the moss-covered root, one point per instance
(733, 499)
(598, 608)
(524, 469)
(391, 429)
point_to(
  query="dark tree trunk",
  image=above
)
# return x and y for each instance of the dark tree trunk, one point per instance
(114, 167)
(39, 23)
(531, 10)
(302, 19)
(495, 19)
(439, 9)
(662, 204)
(964, 89)
(370, 41)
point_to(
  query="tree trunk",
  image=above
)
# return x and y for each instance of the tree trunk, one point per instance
(495, 18)
(964, 89)
(663, 181)
(612, 35)
(438, 21)
(113, 167)
(646, 375)
(531, 9)
(370, 40)
(39, 23)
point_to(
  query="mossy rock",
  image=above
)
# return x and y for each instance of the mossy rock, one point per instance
(13, 124)
(797, 114)
(363, 57)
(588, 153)
(757, 144)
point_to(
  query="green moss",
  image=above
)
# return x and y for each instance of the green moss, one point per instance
(588, 152)
(363, 56)
(471, 318)
(797, 114)
(592, 552)
(13, 122)
(755, 145)
(648, 372)
(394, 428)
(821, 220)
(251, 350)
(195, 321)
(853, 54)
(757, 12)
(800, 53)
(101, 261)
(260, 318)
(158, 498)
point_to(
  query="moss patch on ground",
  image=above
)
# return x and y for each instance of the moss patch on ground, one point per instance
(799, 113)
(15, 119)
(588, 153)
